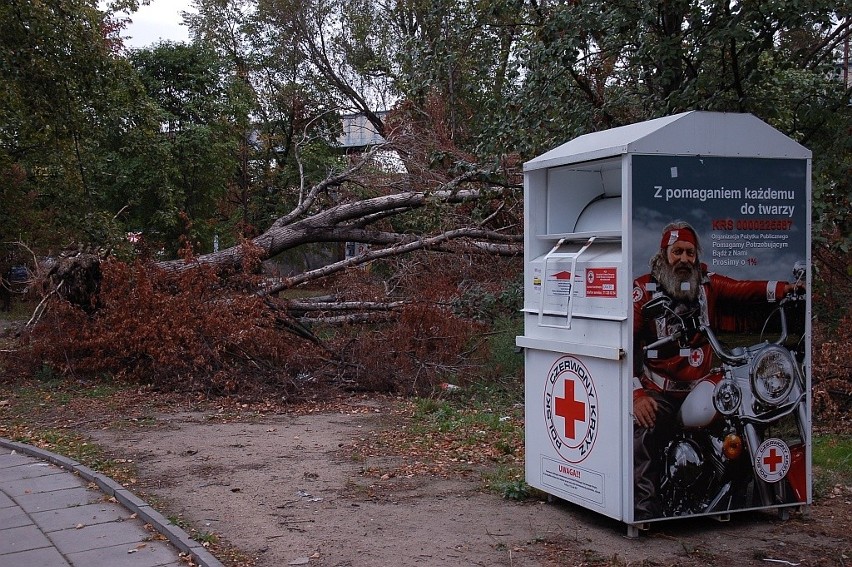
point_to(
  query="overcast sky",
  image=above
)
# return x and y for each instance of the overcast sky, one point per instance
(160, 20)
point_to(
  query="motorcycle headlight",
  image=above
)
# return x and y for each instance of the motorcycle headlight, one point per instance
(727, 397)
(772, 375)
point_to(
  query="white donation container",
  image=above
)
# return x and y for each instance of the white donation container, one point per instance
(596, 208)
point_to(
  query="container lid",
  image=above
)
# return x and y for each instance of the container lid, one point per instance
(701, 133)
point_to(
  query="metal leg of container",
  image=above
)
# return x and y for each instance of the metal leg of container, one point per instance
(722, 517)
(634, 529)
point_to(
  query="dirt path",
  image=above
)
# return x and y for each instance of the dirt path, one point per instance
(285, 490)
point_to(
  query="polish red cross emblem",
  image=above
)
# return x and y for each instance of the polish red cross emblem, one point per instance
(696, 357)
(570, 410)
(772, 460)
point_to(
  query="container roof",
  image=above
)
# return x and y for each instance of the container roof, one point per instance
(701, 133)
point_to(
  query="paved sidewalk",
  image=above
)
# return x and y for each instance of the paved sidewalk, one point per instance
(55, 512)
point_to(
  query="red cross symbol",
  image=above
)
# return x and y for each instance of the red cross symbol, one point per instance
(570, 409)
(696, 357)
(772, 460)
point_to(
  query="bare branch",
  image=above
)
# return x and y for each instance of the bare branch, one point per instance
(40, 308)
(320, 226)
(305, 306)
(352, 318)
(432, 242)
(329, 181)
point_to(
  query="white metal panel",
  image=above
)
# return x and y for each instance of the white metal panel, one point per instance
(723, 134)
(594, 329)
(535, 213)
(566, 188)
(573, 425)
(606, 143)
(584, 349)
(594, 289)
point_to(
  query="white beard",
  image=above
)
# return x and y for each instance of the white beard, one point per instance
(683, 287)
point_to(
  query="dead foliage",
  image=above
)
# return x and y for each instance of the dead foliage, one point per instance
(186, 331)
(422, 347)
(439, 451)
(832, 336)
(436, 336)
(832, 374)
(209, 332)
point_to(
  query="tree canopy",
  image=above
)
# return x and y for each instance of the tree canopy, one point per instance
(229, 129)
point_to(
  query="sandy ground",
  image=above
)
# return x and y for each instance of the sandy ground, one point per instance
(286, 490)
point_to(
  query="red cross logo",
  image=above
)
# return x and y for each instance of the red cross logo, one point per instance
(577, 405)
(696, 357)
(570, 409)
(772, 460)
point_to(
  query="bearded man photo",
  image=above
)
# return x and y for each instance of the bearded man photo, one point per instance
(662, 377)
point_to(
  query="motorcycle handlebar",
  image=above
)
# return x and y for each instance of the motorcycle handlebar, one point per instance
(720, 350)
(662, 342)
(797, 294)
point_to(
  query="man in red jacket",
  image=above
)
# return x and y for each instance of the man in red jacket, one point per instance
(663, 377)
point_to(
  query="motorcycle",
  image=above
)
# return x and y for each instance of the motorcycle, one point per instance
(742, 430)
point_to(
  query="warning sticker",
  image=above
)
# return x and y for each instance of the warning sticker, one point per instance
(572, 480)
(601, 282)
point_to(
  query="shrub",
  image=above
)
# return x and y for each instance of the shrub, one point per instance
(181, 331)
(424, 346)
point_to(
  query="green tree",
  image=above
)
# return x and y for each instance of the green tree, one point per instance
(585, 66)
(202, 125)
(65, 94)
(290, 118)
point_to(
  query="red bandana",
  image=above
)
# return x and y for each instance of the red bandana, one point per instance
(675, 234)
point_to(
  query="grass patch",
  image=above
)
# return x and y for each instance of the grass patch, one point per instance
(508, 481)
(207, 538)
(832, 463)
(74, 446)
(179, 522)
(35, 396)
(32, 397)
(41, 412)
(470, 416)
(20, 310)
(505, 361)
(19, 315)
(481, 424)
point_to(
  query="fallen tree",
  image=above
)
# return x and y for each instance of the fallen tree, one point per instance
(351, 222)
(217, 323)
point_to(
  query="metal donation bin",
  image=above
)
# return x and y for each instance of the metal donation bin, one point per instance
(665, 278)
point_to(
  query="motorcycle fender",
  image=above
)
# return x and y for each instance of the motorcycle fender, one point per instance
(697, 409)
(797, 476)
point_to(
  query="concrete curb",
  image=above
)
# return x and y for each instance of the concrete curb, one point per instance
(176, 536)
